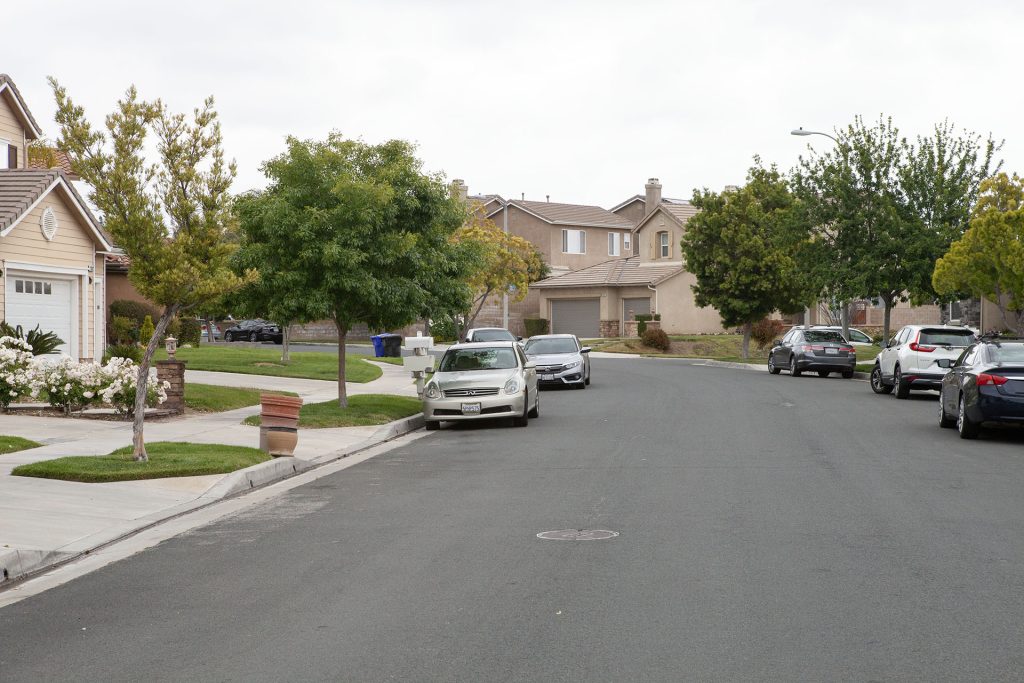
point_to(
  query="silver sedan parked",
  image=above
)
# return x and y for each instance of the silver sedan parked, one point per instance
(560, 359)
(480, 381)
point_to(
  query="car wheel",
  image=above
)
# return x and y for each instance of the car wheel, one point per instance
(524, 419)
(847, 374)
(794, 371)
(772, 368)
(229, 337)
(876, 381)
(536, 407)
(587, 381)
(582, 385)
(968, 429)
(823, 373)
(944, 420)
(431, 425)
(253, 337)
(900, 388)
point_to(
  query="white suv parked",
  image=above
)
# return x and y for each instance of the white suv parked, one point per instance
(910, 359)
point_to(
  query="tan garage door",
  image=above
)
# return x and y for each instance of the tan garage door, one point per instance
(638, 306)
(581, 317)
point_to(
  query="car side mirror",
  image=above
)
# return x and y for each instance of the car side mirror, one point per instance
(430, 371)
(519, 339)
(529, 365)
(777, 342)
(585, 349)
(945, 362)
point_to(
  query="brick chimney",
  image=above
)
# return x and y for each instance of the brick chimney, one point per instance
(459, 189)
(653, 199)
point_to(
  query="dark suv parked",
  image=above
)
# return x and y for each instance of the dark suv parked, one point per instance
(255, 331)
(813, 350)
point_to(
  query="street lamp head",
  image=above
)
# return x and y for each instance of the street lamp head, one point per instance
(800, 131)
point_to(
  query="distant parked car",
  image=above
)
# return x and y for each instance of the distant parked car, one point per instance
(560, 359)
(480, 381)
(255, 331)
(810, 349)
(204, 333)
(486, 334)
(910, 360)
(856, 337)
(984, 385)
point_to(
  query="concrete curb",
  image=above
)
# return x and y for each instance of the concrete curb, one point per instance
(761, 368)
(22, 564)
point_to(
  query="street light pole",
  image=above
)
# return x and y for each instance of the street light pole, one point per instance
(845, 306)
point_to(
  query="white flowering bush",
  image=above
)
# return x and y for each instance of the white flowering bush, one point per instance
(69, 385)
(120, 378)
(16, 363)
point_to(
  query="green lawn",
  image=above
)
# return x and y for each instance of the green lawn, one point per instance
(304, 364)
(723, 347)
(166, 459)
(210, 398)
(10, 444)
(365, 410)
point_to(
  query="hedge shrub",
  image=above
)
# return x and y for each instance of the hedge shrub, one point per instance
(147, 330)
(641, 321)
(135, 311)
(535, 326)
(122, 330)
(190, 331)
(656, 338)
(764, 332)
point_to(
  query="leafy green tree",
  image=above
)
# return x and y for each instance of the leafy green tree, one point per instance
(358, 233)
(740, 248)
(884, 210)
(171, 215)
(988, 261)
(502, 264)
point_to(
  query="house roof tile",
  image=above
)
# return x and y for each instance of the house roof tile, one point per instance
(624, 272)
(574, 214)
(60, 160)
(5, 80)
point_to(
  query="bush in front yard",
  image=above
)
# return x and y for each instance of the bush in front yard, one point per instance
(16, 361)
(123, 330)
(191, 330)
(132, 351)
(535, 326)
(764, 332)
(656, 338)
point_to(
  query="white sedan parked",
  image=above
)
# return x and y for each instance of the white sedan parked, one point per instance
(482, 380)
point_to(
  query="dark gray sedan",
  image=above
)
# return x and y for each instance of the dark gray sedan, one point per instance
(813, 350)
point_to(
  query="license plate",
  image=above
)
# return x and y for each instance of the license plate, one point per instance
(546, 377)
(470, 408)
(832, 352)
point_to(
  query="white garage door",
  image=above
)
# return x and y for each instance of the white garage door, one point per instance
(36, 300)
(576, 316)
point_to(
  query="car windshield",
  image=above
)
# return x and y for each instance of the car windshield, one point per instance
(539, 347)
(493, 335)
(823, 336)
(464, 360)
(946, 337)
(1007, 352)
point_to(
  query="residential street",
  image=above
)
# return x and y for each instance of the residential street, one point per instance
(771, 529)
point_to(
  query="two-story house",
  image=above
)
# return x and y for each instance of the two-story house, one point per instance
(51, 246)
(597, 301)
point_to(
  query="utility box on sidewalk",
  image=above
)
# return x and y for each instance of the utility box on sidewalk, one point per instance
(173, 372)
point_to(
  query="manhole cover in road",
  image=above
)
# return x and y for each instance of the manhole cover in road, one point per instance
(578, 535)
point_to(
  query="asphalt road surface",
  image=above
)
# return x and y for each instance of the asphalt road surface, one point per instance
(770, 529)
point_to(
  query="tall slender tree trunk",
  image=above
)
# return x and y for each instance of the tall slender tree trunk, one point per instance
(747, 327)
(846, 319)
(286, 339)
(887, 319)
(342, 334)
(138, 442)
(209, 331)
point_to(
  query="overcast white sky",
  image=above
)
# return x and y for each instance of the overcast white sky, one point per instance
(582, 101)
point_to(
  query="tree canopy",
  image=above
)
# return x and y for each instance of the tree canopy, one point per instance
(172, 215)
(988, 261)
(356, 233)
(740, 248)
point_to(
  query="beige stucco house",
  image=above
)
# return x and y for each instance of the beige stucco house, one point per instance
(597, 301)
(51, 246)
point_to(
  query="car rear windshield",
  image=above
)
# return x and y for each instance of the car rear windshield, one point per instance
(823, 336)
(1007, 352)
(493, 335)
(462, 360)
(946, 337)
(540, 347)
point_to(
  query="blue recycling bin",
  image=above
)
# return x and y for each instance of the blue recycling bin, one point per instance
(378, 345)
(392, 344)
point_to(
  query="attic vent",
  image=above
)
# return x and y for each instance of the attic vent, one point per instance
(49, 223)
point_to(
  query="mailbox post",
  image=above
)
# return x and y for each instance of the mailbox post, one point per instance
(421, 360)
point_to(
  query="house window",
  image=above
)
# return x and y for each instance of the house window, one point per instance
(627, 244)
(19, 286)
(574, 242)
(663, 248)
(613, 244)
(5, 154)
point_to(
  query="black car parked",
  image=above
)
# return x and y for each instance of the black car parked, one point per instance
(813, 350)
(984, 385)
(254, 331)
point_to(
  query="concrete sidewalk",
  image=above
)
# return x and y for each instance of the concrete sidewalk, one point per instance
(45, 521)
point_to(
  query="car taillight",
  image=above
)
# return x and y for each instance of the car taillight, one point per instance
(914, 346)
(848, 349)
(985, 379)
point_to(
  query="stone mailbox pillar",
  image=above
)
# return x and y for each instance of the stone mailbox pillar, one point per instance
(173, 372)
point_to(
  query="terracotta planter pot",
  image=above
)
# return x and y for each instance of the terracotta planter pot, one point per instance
(273, 405)
(281, 441)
